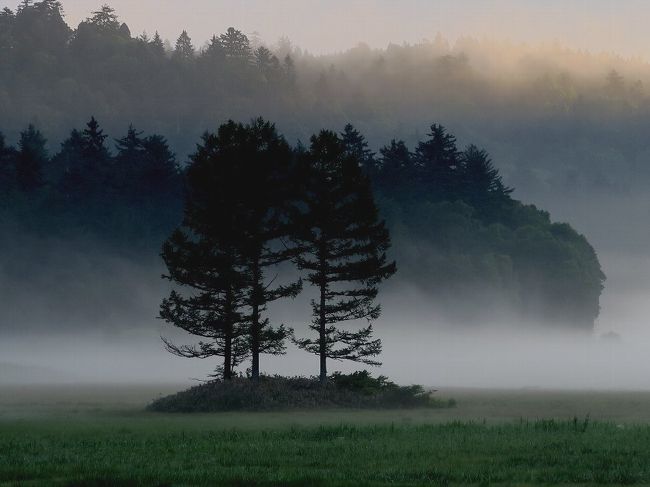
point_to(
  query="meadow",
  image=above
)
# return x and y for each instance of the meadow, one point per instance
(100, 436)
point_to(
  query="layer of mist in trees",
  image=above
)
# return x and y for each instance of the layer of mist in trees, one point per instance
(565, 129)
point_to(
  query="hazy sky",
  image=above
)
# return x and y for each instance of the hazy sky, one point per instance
(332, 25)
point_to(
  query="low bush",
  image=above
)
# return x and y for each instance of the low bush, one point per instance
(357, 390)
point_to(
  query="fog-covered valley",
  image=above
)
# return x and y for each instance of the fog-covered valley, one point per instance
(566, 128)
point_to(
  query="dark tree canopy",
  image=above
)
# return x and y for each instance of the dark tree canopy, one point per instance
(105, 19)
(263, 188)
(184, 50)
(7, 169)
(482, 186)
(240, 192)
(157, 46)
(438, 161)
(203, 257)
(356, 146)
(236, 45)
(395, 165)
(30, 159)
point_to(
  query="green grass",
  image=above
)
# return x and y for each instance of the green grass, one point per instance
(85, 442)
(160, 451)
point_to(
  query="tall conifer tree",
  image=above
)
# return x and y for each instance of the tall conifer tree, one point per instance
(236, 45)
(31, 159)
(128, 162)
(395, 167)
(205, 261)
(184, 50)
(438, 162)
(266, 190)
(157, 46)
(482, 184)
(356, 146)
(344, 245)
(7, 167)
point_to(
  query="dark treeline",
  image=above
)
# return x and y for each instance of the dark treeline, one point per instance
(564, 118)
(129, 195)
(458, 234)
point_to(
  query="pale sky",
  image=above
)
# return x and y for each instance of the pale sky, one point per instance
(333, 25)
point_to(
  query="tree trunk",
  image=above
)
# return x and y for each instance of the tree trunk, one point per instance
(227, 352)
(227, 356)
(255, 323)
(322, 323)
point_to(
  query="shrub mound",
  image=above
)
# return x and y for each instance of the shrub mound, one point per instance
(357, 390)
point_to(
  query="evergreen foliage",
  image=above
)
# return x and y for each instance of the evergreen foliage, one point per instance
(438, 162)
(30, 160)
(356, 146)
(240, 191)
(344, 248)
(236, 46)
(458, 220)
(184, 50)
(204, 257)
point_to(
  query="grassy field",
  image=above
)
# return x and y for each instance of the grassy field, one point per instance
(92, 435)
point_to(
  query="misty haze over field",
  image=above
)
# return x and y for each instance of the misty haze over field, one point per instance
(556, 92)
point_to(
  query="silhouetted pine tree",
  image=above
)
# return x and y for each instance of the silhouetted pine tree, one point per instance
(97, 158)
(438, 161)
(159, 175)
(104, 19)
(85, 162)
(30, 159)
(7, 167)
(268, 64)
(236, 46)
(482, 185)
(157, 46)
(395, 167)
(356, 146)
(204, 257)
(67, 165)
(262, 160)
(344, 245)
(128, 162)
(214, 52)
(184, 50)
(290, 71)
(93, 141)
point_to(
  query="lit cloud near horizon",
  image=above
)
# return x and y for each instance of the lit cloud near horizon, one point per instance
(321, 26)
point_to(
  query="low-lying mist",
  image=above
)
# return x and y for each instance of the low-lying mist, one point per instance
(420, 346)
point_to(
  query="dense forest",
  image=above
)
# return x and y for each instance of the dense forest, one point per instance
(565, 118)
(458, 234)
(457, 230)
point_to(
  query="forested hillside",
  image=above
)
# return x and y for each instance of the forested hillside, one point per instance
(555, 118)
(459, 236)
